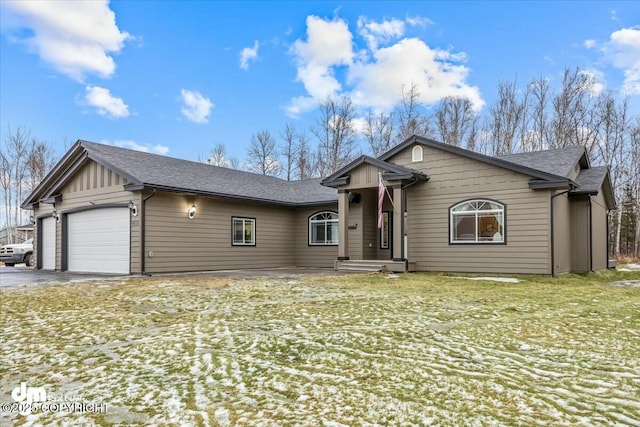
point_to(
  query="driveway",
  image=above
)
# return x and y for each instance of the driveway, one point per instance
(24, 276)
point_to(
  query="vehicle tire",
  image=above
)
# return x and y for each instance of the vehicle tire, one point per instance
(9, 264)
(28, 260)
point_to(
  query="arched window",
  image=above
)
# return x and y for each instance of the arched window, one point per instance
(416, 154)
(323, 228)
(477, 221)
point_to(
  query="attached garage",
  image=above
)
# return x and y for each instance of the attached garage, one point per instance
(98, 240)
(47, 244)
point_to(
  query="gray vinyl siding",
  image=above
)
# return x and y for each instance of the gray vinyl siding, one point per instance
(40, 212)
(579, 208)
(454, 179)
(179, 244)
(306, 255)
(364, 176)
(370, 234)
(562, 234)
(94, 185)
(355, 231)
(599, 231)
(384, 254)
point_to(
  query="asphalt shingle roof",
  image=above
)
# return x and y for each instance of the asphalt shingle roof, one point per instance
(590, 180)
(170, 173)
(559, 161)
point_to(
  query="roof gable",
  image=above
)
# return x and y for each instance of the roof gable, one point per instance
(559, 161)
(145, 170)
(594, 180)
(391, 172)
(540, 179)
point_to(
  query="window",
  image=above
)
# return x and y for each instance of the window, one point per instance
(477, 221)
(384, 231)
(416, 154)
(243, 231)
(323, 228)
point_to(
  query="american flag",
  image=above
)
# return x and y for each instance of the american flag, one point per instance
(380, 199)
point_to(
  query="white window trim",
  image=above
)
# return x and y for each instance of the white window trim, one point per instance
(416, 154)
(326, 223)
(244, 220)
(384, 231)
(495, 212)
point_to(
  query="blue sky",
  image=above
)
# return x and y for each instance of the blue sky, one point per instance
(178, 77)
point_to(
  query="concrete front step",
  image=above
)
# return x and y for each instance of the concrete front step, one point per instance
(360, 267)
(370, 265)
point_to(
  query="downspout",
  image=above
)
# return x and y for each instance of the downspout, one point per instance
(590, 236)
(143, 215)
(606, 240)
(553, 260)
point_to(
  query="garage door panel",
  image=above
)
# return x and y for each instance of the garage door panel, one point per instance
(99, 241)
(48, 243)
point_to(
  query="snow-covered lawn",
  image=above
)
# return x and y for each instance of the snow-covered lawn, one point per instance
(350, 350)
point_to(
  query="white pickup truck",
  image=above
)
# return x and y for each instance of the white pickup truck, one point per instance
(17, 253)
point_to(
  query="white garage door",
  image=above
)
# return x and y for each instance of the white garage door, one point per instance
(98, 241)
(48, 243)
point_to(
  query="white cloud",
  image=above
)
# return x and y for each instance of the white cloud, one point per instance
(105, 103)
(145, 148)
(75, 37)
(375, 76)
(613, 14)
(195, 107)
(329, 44)
(418, 21)
(597, 77)
(247, 54)
(376, 33)
(434, 72)
(589, 43)
(623, 49)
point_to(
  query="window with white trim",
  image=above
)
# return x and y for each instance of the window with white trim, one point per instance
(243, 231)
(477, 221)
(323, 228)
(416, 154)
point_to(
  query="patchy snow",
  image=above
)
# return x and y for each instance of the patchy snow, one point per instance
(335, 354)
(492, 279)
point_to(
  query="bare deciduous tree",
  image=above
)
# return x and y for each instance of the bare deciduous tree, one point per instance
(537, 136)
(454, 119)
(40, 160)
(304, 160)
(24, 162)
(217, 156)
(289, 136)
(262, 156)
(335, 133)
(506, 116)
(571, 107)
(411, 120)
(378, 131)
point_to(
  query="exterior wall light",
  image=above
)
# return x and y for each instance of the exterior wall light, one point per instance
(133, 208)
(191, 213)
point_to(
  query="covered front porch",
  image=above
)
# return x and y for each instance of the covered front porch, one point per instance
(372, 229)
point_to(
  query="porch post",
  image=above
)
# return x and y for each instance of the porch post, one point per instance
(398, 223)
(343, 225)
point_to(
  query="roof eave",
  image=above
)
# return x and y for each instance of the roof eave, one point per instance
(337, 182)
(541, 184)
(190, 191)
(505, 164)
(399, 177)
